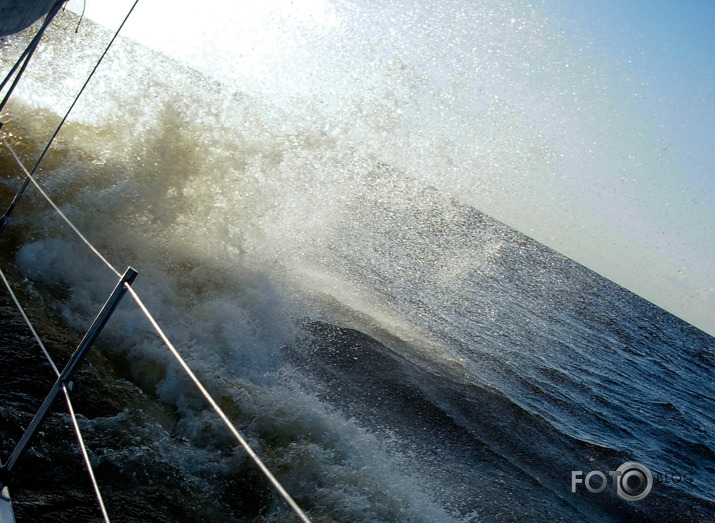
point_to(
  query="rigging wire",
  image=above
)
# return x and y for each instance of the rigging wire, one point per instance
(5, 218)
(31, 178)
(27, 54)
(204, 392)
(210, 400)
(165, 339)
(70, 408)
(81, 16)
(85, 455)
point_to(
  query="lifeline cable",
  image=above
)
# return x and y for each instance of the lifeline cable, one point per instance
(57, 209)
(175, 353)
(5, 218)
(207, 396)
(70, 408)
(215, 406)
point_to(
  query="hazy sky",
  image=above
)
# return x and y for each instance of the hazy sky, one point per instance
(665, 52)
(635, 199)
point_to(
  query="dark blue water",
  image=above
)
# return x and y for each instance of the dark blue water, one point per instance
(550, 368)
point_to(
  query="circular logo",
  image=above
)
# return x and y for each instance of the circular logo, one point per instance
(635, 481)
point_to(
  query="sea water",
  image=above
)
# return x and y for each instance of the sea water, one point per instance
(310, 229)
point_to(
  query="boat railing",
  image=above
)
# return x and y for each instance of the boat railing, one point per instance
(123, 287)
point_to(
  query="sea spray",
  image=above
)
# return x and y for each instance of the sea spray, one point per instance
(394, 353)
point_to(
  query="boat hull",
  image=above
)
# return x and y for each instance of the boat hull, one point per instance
(6, 513)
(16, 15)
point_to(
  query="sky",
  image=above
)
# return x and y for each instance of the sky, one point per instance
(638, 201)
(666, 48)
(665, 52)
